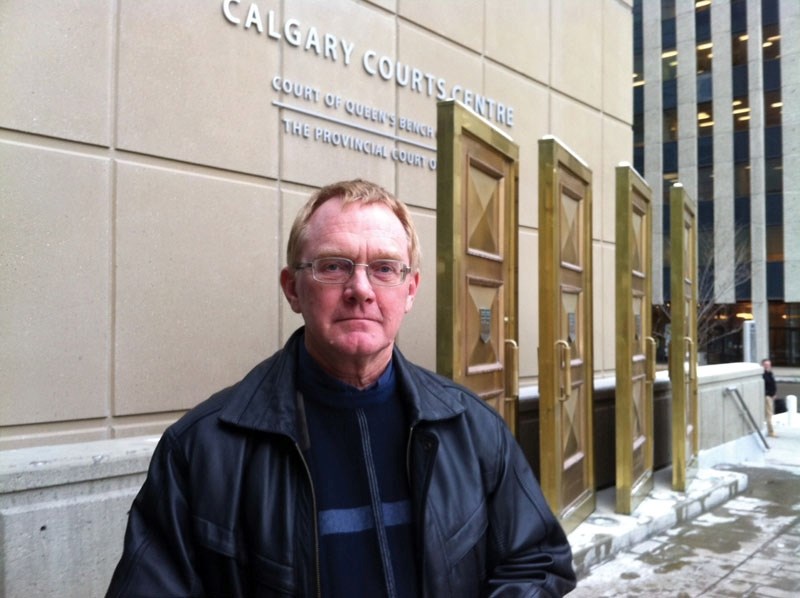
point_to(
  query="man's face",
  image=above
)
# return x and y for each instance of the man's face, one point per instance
(767, 364)
(352, 324)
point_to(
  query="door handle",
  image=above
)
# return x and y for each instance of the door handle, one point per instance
(565, 365)
(650, 357)
(692, 358)
(512, 384)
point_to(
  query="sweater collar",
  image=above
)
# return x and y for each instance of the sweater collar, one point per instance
(318, 385)
(266, 399)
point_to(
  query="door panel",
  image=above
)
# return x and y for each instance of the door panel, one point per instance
(476, 324)
(565, 329)
(683, 339)
(635, 347)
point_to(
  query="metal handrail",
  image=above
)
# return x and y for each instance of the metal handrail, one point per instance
(733, 391)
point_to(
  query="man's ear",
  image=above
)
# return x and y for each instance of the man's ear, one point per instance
(413, 287)
(289, 286)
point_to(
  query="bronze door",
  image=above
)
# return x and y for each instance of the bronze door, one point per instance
(565, 330)
(683, 339)
(635, 347)
(476, 324)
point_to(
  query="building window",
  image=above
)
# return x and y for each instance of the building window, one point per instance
(740, 76)
(741, 182)
(669, 94)
(705, 88)
(738, 16)
(705, 183)
(773, 109)
(774, 281)
(669, 64)
(773, 144)
(739, 52)
(771, 43)
(769, 12)
(772, 75)
(705, 224)
(702, 21)
(773, 175)
(705, 150)
(669, 153)
(668, 38)
(705, 254)
(638, 131)
(638, 160)
(771, 54)
(741, 113)
(741, 216)
(774, 243)
(670, 125)
(667, 23)
(638, 100)
(739, 49)
(704, 57)
(784, 333)
(773, 212)
(670, 178)
(741, 146)
(638, 45)
(705, 119)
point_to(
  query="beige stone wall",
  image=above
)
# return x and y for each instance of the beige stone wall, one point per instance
(148, 180)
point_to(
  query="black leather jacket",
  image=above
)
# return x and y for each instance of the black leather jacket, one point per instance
(227, 508)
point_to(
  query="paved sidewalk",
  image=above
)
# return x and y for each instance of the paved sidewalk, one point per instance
(748, 545)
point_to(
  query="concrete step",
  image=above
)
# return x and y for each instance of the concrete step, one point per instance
(606, 533)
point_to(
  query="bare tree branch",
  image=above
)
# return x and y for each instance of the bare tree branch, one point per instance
(714, 320)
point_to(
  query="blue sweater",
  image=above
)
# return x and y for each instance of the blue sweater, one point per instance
(357, 460)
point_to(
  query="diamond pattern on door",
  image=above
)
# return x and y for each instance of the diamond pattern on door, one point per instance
(636, 250)
(570, 227)
(638, 340)
(482, 197)
(572, 426)
(483, 349)
(572, 416)
(686, 255)
(640, 438)
(638, 408)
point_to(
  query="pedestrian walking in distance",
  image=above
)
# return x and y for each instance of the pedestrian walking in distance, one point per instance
(770, 390)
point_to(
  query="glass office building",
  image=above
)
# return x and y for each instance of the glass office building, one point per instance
(716, 93)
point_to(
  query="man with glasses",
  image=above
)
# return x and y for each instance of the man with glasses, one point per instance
(337, 467)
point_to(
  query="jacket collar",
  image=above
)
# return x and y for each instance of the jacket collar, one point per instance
(432, 397)
(266, 399)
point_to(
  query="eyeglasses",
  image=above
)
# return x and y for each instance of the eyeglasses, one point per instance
(338, 270)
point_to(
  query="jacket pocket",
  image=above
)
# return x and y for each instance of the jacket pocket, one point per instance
(466, 549)
(213, 537)
(229, 569)
(273, 578)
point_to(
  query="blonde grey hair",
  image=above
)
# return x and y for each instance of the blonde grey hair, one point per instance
(355, 191)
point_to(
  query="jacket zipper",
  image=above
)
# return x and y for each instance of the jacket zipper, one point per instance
(420, 510)
(314, 517)
(408, 453)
